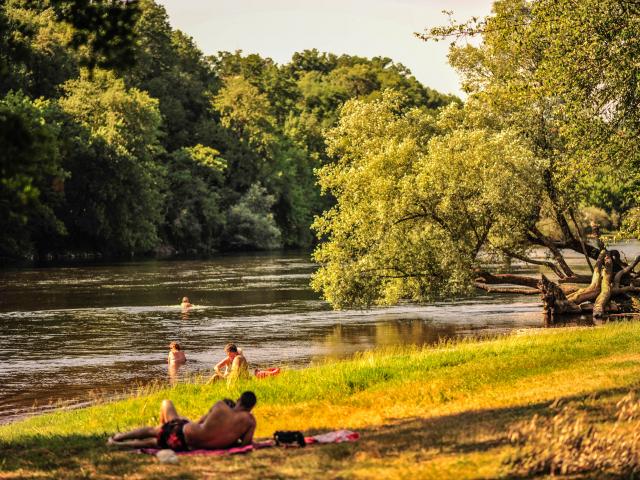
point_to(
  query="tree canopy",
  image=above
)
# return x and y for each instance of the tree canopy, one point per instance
(549, 129)
(120, 136)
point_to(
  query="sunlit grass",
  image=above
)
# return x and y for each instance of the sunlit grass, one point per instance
(373, 392)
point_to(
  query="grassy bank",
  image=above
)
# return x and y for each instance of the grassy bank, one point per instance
(433, 412)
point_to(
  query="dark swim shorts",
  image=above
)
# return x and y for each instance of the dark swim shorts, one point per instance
(171, 435)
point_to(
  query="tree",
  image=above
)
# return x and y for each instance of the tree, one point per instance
(416, 203)
(31, 177)
(251, 223)
(170, 68)
(194, 217)
(135, 143)
(114, 194)
(530, 112)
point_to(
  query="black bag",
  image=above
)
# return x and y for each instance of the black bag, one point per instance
(289, 437)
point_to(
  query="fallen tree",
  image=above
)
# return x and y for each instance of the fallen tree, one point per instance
(606, 293)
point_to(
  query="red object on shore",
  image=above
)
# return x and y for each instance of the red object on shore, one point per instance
(269, 372)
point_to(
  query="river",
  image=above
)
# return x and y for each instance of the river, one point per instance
(70, 333)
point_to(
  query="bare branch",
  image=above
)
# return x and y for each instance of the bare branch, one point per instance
(628, 269)
(516, 290)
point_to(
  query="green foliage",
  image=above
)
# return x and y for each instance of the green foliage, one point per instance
(44, 60)
(141, 144)
(250, 223)
(565, 75)
(30, 174)
(114, 195)
(550, 126)
(194, 218)
(43, 33)
(246, 112)
(103, 29)
(171, 69)
(631, 222)
(415, 209)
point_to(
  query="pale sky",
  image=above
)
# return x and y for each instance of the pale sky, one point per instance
(278, 28)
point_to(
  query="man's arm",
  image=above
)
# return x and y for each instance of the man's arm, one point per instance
(247, 438)
(221, 364)
(204, 417)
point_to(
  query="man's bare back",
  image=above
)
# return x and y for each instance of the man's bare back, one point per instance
(222, 427)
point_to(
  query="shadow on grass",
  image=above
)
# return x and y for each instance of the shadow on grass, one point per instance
(70, 456)
(474, 431)
(468, 432)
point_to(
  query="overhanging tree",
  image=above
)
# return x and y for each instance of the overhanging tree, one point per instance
(501, 175)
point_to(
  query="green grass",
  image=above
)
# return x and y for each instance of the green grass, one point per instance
(439, 398)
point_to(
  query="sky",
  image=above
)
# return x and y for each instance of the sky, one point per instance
(278, 28)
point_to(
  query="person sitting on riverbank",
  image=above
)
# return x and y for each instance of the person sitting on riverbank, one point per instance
(222, 426)
(176, 355)
(186, 304)
(235, 365)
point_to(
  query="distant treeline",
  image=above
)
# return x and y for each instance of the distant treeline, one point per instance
(176, 151)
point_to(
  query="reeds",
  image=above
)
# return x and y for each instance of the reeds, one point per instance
(567, 443)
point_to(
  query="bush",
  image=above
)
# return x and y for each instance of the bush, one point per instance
(250, 221)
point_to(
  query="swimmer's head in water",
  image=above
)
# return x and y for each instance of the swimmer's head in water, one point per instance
(231, 348)
(185, 299)
(175, 346)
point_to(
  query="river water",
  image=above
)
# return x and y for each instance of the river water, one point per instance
(70, 333)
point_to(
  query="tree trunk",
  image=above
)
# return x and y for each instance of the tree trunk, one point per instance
(593, 290)
(602, 302)
(554, 302)
(610, 290)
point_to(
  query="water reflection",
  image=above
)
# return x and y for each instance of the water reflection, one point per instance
(344, 339)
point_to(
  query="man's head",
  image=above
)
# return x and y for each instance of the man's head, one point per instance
(231, 350)
(247, 401)
(185, 299)
(175, 346)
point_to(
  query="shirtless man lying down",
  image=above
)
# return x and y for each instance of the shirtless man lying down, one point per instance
(221, 427)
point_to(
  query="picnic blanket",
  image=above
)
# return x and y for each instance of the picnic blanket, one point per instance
(338, 436)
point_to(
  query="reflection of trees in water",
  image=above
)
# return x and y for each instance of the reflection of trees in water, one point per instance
(385, 333)
(411, 332)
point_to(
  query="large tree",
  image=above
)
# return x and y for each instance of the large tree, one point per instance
(507, 172)
(114, 193)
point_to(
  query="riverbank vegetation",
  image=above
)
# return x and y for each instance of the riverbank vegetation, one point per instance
(550, 129)
(163, 148)
(457, 410)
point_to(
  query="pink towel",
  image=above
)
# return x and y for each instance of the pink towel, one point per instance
(339, 436)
